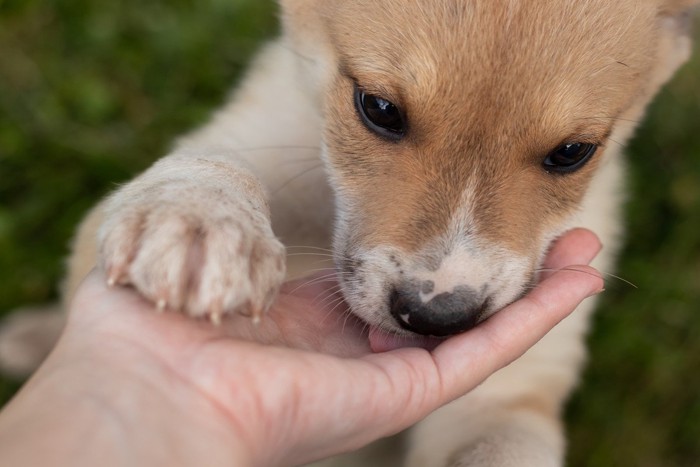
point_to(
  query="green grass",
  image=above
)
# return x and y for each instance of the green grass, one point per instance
(93, 91)
(640, 401)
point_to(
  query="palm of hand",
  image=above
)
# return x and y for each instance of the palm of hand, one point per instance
(334, 395)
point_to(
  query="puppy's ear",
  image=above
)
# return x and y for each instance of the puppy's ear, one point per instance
(300, 20)
(674, 43)
(304, 32)
(299, 13)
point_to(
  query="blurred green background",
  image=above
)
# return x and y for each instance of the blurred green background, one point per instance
(93, 91)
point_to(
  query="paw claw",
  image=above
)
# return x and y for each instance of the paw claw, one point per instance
(204, 262)
(215, 318)
(116, 277)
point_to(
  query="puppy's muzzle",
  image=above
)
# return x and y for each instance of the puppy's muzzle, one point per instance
(442, 315)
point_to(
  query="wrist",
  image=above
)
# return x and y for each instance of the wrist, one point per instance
(116, 405)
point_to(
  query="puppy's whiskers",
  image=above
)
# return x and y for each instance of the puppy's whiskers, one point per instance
(573, 269)
(316, 280)
(280, 147)
(296, 177)
(325, 255)
(309, 247)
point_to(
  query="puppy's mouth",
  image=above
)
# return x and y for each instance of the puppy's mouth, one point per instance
(408, 320)
(456, 322)
(411, 301)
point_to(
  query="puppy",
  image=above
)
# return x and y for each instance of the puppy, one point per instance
(459, 138)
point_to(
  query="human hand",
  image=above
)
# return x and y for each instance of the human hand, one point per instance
(258, 404)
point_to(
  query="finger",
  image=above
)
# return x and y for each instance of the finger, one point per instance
(100, 310)
(421, 382)
(465, 360)
(577, 246)
(411, 383)
(94, 295)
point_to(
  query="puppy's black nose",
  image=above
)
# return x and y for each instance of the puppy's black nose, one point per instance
(445, 314)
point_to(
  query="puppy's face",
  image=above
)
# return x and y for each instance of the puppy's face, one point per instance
(461, 137)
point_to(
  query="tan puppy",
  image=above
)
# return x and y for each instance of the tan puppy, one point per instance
(459, 139)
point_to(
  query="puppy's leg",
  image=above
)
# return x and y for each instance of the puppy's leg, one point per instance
(525, 439)
(514, 435)
(193, 233)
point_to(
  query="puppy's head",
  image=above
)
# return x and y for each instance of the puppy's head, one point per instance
(461, 137)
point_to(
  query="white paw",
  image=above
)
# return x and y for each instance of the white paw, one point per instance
(198, 247)
(509, 448)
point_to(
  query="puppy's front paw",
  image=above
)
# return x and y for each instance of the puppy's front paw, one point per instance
(204, 251)
(511, 446)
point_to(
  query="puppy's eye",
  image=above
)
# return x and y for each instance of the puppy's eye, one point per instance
(379, 115)
(569, 157)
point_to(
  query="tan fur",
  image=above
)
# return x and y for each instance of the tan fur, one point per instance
(490, 87)
(488, 125)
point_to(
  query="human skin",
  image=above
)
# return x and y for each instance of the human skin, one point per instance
(127, 386)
